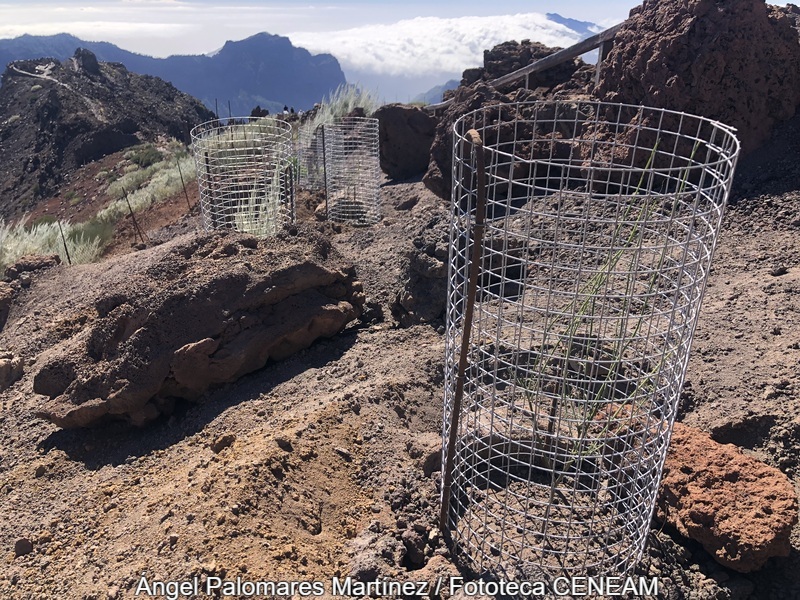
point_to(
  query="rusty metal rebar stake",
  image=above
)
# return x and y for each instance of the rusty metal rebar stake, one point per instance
(474, 138)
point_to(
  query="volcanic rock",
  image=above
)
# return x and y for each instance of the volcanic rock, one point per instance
(200, 313)
(22, 547)
(406, 134)
(11, 368)
(423, 296)
(511, 56)
(438, 178)
(735, 62)
(30, 263)
(87, 61)
(568, 80)
(739, 509)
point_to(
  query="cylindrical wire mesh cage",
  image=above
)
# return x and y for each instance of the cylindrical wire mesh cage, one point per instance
(352, 170)
(600, 223)
(311, 166)
(244, 171)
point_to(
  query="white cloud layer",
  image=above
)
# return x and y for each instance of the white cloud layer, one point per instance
(430, 45)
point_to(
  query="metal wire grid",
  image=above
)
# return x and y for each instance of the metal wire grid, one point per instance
(352, 170)
(244, 174)
(601, 221)
(311, 165)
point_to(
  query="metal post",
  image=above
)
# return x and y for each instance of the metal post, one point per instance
(472, 285)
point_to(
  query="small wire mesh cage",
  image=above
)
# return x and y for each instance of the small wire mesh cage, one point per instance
(352, 170)
(310, 159)
(244, 171)
(581, 240)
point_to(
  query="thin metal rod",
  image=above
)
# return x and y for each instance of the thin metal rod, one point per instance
(130, 208)
(64, 241)
(474, 269)
(215, 221)
(183, 183)
(292, 207)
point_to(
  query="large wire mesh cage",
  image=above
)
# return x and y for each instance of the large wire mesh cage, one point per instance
(352, 170)
(244, 171)
(581, 240)
(310, 157)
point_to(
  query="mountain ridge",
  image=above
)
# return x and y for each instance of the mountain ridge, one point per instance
(56, 116)
(263, 69)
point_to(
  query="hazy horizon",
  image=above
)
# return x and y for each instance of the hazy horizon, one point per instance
(383, 43)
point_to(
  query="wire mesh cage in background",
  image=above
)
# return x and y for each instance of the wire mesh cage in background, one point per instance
(352, 170)
(600, 223)
(244, 171)
(310, 157)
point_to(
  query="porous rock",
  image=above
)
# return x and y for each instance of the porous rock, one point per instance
(739, 509)
(6, 298)
(11, 368)
(406, 134)
(438, 178)
(570, 79)
(734, 61)
(206, 312)
(511, 56)
(423, 296)
(30, 263)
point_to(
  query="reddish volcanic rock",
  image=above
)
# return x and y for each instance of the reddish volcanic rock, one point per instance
(739, 509)
(732, 61)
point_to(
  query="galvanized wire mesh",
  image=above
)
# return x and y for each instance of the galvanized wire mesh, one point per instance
(244, 174)
(310, 157)
(601, 221)
(352, 170)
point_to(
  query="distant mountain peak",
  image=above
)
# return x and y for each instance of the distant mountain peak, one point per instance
(583, 28)
(264, 69)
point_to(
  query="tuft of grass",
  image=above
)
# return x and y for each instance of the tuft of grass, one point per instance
(146, 187)
(44, 237)
(342, 101)
(86, 241)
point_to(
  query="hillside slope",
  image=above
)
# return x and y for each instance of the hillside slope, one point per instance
(56, 116)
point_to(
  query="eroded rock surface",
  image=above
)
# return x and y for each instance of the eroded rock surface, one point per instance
(406, 134)
(572, 79)
(423, 296)
(207, 312)
(739, 509)
(11, 368)
(731, 61)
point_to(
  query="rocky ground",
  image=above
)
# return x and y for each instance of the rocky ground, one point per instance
(324, 464)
